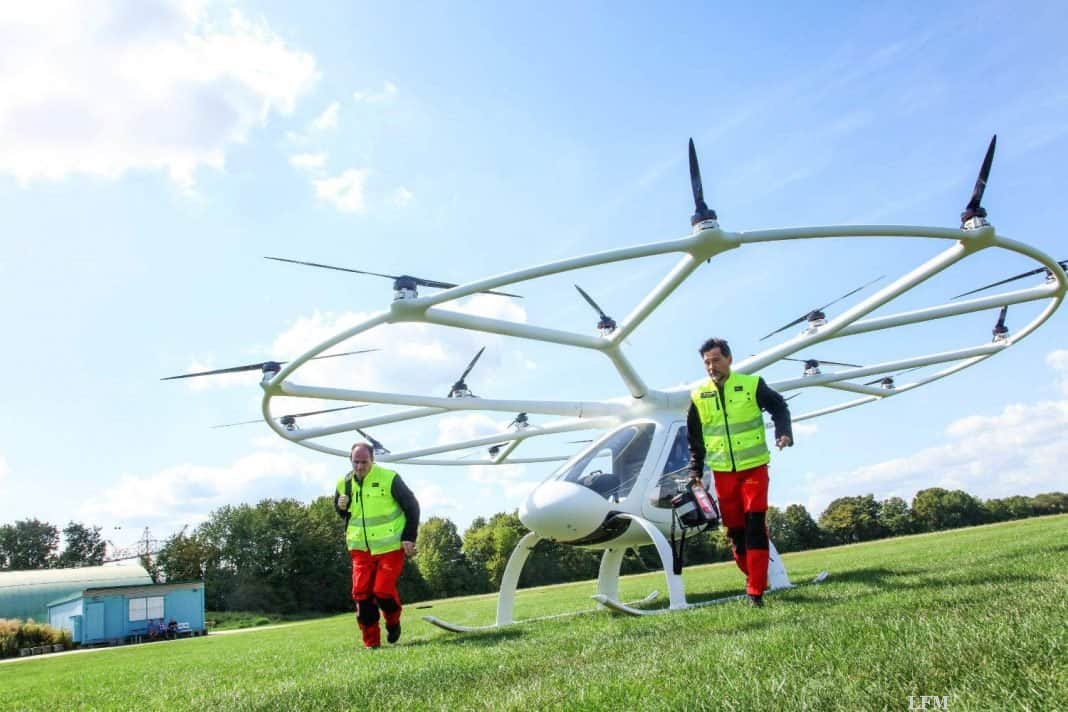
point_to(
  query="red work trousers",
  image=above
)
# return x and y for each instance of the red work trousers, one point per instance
(374, 588)
(743, 504)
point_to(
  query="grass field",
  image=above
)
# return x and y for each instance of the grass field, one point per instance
(978, 615)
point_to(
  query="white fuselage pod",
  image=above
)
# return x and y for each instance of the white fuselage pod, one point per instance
(634, 469)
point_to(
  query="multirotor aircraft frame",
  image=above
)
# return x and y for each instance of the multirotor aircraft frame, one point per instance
(632, 504)
(707, 242)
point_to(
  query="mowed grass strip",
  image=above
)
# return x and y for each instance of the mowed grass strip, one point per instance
(977, 615)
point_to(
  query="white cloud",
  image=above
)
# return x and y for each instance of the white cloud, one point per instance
(433, 501)
(5, 469)
(328, 119)
(346, 191)
(308, 161)
(104, 88)
(400, 197)
(389, 90)
(1058, 361)
(1019, 451)
(467, 426)
(188, 493)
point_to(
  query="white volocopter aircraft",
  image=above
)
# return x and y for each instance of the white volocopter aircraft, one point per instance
(617, 492)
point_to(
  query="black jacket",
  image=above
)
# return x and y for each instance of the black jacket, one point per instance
(405, 500)
(766, 398)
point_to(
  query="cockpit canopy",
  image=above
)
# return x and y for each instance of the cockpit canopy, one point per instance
(611, 466)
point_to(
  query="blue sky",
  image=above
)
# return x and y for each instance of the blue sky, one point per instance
(152, 152)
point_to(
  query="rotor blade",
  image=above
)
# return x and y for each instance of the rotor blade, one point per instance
(472, 364)
(1030, 273)
(1001, 317)
(327, 410)
(984, 175)
(893, 375)
(800, 319)
(259, 366)
(852, 292)
(232, 369)
(346, 353)
(291, 415)
(374, 443)
(243, 422)
(821, 361)
(340, 269)
(589, 300)
(418, 280)
(695, 182)
(795, 322)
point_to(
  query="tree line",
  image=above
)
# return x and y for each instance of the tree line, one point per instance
(286, 556)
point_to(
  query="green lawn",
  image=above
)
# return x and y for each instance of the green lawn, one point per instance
(978, 615)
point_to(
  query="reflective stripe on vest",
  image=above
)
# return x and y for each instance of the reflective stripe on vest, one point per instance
(731, 423)
(376, 521)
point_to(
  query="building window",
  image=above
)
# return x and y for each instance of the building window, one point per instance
(149, 608)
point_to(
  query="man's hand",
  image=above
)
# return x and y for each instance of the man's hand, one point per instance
(783, 441)
(409, 548)
(343, 502)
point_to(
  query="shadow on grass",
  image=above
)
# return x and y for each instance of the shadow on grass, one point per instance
(473, 638)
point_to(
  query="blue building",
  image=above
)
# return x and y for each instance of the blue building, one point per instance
(26, 594)
(124, 613)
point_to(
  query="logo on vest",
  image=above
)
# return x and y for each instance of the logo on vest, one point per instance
(708, 395)
(739, 388)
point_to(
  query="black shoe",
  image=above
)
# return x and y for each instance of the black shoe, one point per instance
(756, 600)
(393, 632)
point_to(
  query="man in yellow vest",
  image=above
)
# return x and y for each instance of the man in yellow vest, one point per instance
(726, 433)
(381, 520)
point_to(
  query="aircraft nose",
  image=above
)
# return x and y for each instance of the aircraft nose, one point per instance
(563, 511)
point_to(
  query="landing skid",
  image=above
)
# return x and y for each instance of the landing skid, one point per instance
(456, 628)
(619, 607)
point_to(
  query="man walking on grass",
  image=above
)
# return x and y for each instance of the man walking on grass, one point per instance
(381, 520)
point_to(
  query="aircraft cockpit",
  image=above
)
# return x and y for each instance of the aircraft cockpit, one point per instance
(612, 465)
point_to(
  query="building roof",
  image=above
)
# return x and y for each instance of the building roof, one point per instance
(152, 589)
(26, 594)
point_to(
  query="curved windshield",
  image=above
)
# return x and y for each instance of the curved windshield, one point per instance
(611, 467)
(676, 471)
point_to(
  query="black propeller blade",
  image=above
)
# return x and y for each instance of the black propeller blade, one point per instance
(701, 210)
(378, 447)
(291, 415)
(1029, 273)
(419, 281)
(521, 421)
(974, 208)
(259, 366)
(460, 386)
(815, 363)
(818, 313)
(607, 324)
(888, 381)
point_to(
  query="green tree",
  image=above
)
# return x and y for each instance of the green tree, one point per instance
(793, 529)
(186, 558)
(1002, 510)
(28, 544)
(895, 517)
(935, 509)
(489, 544)
(442, 563)
(1050, 503)
(851, 519)
(84, 546)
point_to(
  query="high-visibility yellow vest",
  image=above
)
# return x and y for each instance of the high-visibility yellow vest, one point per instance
(376, 521)
(732, 424)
